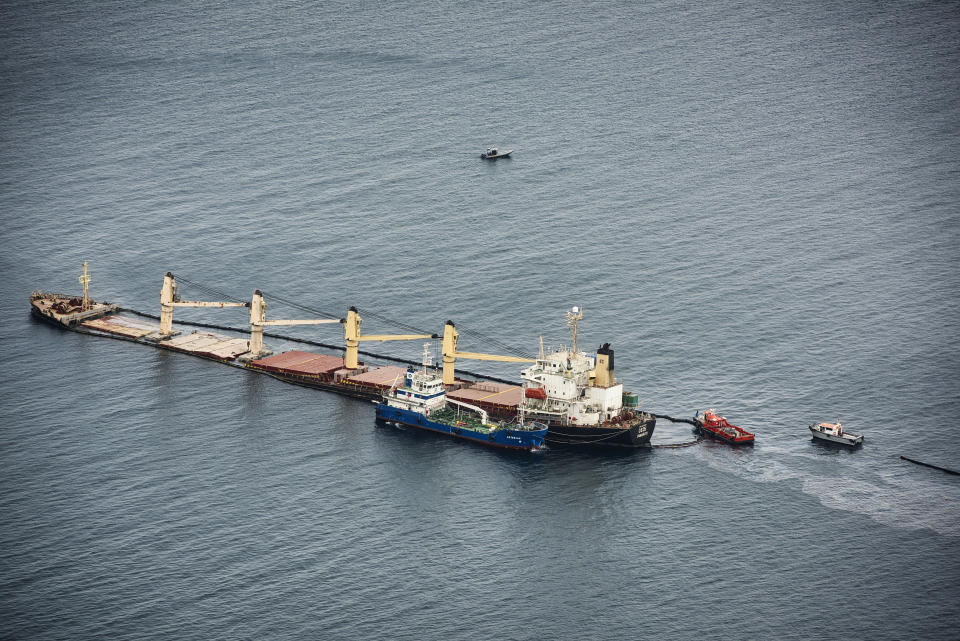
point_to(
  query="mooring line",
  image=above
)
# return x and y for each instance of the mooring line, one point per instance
(679, 420)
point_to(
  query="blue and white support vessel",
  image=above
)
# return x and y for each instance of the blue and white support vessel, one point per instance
(421, 401)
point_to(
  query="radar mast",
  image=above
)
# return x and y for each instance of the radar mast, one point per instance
(573, 317)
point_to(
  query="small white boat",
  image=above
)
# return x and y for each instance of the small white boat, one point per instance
(833, 432)
(493, 153)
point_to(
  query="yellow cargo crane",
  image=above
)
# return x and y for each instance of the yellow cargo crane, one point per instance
(450, 354)
(258, 320)
(351, 330)
(169, 299)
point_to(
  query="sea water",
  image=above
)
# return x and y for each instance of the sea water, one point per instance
(755, 204)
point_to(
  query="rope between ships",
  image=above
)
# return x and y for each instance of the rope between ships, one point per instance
(685, 443)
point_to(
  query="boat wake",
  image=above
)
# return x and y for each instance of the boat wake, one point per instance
(890, 497)
(890, 503)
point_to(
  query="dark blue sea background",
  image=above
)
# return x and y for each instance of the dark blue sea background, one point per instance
(757, 204)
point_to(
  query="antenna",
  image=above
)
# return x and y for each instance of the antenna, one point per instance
(427, 361)
(573, 316)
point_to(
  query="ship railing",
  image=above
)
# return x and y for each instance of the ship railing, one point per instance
(39, 294)
(485, 387)
(531, 426)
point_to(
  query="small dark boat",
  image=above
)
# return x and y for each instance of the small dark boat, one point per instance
(493, 153)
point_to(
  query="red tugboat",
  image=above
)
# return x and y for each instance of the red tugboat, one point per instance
(716, 426)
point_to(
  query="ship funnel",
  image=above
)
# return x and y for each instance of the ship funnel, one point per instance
(604, 368)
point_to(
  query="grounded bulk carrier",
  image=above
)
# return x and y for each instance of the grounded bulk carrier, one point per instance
(575, 394)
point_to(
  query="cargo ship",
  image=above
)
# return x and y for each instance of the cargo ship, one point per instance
(421, 402)
(712, 424)
(573, 393)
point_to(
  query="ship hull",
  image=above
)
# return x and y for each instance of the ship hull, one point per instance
(47, 318)
(635, 434)
(730, 440)
(353, 391)
(852, 440)
(526, 440)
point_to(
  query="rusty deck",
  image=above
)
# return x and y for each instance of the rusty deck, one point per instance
(208, 345)
(488, 393)
(122, 326)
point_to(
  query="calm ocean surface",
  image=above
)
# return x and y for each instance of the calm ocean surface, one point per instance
(758, 206)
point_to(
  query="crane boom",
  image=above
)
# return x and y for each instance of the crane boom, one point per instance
(320, 321)
(199, 303)
(351, 329)
(450, 354)
(169, 300)
(493, 357)
(258, 320)
(352, 336)
(394, 337)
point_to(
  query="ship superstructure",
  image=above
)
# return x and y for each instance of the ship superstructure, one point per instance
(572, 388)
(579, 397)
